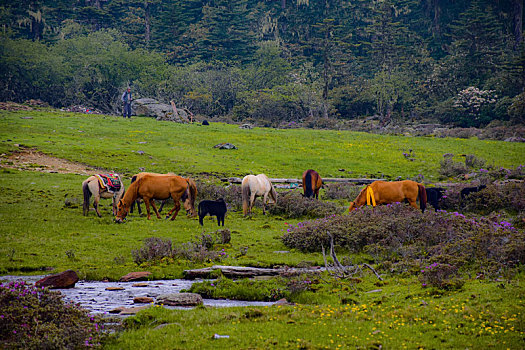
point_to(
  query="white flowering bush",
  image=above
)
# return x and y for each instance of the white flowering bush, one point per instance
(471, 102)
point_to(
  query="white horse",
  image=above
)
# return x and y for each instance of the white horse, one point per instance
(257, 186)
(93, 186)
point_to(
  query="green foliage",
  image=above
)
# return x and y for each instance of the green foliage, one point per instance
(243, 289)
(34, 318)
(395, 314)
(271, 62)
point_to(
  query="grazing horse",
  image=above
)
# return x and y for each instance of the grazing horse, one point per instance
(468, 190)
(256, 186)
(153, 186)
(382, 192)
(102, 186)
(214, 208)
(434, 195)
(312, 182)
(188, 197)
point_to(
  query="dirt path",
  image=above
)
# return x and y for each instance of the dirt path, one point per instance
(32, 160)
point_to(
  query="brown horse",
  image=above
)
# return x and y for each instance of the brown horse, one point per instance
(382, 192)
(188, 197)
(312, 182)
(102, 186)
(153, 186)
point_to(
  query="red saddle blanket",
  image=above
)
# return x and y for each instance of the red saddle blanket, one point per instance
(110, 182)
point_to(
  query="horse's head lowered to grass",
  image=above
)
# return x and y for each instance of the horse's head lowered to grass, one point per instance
(156, 186)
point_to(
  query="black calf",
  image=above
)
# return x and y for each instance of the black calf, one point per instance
(434, 194)
(214, 208)
(468, 190)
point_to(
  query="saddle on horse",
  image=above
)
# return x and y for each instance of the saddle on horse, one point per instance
(110, 182)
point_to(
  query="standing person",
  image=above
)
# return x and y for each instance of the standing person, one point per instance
(126, 99)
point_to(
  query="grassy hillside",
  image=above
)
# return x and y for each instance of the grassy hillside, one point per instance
(43, 231)
(143, 143)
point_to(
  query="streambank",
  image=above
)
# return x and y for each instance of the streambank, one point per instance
(105, 297)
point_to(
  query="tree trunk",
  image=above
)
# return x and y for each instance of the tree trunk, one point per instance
(437, 14)
(147, 21)
(518, 23)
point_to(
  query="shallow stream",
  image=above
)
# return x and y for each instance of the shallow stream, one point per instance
(102, 297)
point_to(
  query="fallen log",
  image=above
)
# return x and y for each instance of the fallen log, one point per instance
(238, 180)
(245, 272)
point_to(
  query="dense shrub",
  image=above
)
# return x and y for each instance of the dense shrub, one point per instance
(343, 191)
(292, 204)
(506, 196)
(154, 249)
(442, 276)
(35, 318)
(231, 194)
(450, 168)
(397, 232)
(200, 249)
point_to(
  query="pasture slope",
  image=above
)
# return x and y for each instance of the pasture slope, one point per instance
(43, 231)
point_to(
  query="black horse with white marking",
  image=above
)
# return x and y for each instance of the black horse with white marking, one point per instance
(434, 195)
(213, 208)
(468, 190)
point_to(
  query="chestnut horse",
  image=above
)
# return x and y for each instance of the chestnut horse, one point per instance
(94, 185)
(256, 186)
(382, 192)
(188, 198)
(153, 186)
(312, 182)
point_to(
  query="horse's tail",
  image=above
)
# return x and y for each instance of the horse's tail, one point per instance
(87, 195)
(308, 186)
(422, 197)
(245, 198)
(191, 194)
(273, 193)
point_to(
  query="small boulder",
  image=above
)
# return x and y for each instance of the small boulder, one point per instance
(142, 300)
(133, 310)
(135, 276)
(180, 299)
(66, 279)
(140, 285)
(225, 145)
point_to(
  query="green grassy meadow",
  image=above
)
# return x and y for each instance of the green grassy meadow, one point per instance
(43, 231)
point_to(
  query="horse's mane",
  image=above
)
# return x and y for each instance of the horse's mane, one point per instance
(132, 193)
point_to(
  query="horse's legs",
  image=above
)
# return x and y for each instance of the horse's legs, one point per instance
(95, 204)
(252, 201)
(147, 202)
(265, 200)
(152, 201)
(412, 202)
(162, 205)
(114, 204)
(175, 209)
